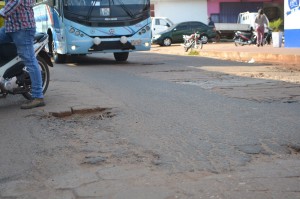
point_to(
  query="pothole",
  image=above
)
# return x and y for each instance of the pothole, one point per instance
(295, 148)
(75, 112)
(129, 154)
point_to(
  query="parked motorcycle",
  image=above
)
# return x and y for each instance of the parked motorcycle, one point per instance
(248, 38)
(14, 76)
(192, 41)
(268, 36)
(244, 38)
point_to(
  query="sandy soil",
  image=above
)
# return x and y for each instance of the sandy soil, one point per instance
(285, 73)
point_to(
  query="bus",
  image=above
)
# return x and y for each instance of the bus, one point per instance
(81, 27)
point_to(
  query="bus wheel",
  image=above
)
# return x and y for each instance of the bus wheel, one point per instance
(59, 58)
(121, 56)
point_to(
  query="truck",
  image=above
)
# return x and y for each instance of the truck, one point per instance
(160, 24)
(249, 18)
(245, 22)
(227, 30)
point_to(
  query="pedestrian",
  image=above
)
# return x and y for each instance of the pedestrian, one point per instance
(260, 22)
(211, 23)
(20, 28)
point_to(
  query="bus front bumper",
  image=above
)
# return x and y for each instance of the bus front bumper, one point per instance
(108, 45)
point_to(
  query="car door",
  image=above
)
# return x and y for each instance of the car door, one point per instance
(180, 30)
(159, 25)
(198, 26)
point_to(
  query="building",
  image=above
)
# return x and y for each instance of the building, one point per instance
(222, 11)
(179, 10)
(226, 11)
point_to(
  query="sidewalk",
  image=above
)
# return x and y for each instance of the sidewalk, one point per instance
(228, 51)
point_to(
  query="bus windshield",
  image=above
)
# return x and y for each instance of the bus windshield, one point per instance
(95, 10)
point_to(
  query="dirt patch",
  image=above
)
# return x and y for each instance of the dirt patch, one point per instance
(272, 72)
(286, 73)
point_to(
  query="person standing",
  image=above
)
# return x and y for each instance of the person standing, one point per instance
(211, 22)
(20, 28)
(260, 22)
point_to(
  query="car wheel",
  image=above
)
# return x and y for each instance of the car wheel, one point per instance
(167, 41)
(204, 39)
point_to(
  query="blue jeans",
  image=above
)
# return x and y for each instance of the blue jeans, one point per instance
(24, 43)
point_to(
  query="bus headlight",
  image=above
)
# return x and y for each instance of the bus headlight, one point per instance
(97, 41)
(73, 47)
(123, 40)
(72, 30)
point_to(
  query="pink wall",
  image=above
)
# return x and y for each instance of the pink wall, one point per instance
(213, 6)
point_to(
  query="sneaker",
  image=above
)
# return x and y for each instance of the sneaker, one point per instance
(257, 45)
(37, 102)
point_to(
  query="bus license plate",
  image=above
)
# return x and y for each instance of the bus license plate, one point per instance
(136, 42)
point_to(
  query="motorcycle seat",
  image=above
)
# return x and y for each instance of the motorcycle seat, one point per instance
(39, 37)
(247, 33)
(8, 51)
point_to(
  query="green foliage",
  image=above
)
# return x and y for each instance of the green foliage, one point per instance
(194, 52)
(276, 25)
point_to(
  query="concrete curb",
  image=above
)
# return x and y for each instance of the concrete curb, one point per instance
(228, 51)
(258, 57)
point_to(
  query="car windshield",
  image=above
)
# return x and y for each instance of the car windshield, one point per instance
(169, 22)
(90, 9)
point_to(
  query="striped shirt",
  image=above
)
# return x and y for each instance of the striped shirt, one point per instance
(18, 15)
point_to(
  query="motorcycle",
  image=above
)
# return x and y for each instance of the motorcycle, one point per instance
(244, 38)
(248, 38)
(192, 41)
(14, 76)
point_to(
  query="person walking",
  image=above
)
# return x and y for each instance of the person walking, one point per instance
(20, 28)
(260, 22)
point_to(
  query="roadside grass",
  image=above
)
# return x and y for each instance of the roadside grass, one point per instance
(193, 52)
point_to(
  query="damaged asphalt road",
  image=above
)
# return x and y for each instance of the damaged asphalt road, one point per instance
(167, 127)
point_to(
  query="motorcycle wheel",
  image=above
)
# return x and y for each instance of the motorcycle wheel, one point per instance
(199, 44)
(45, 77)
(189, 45)
(238, 42)
(186, 48)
